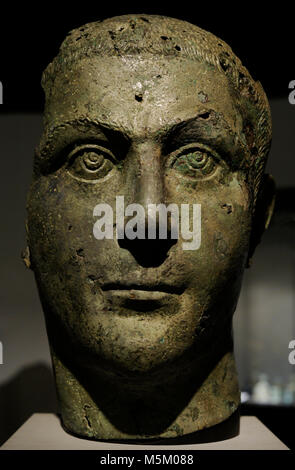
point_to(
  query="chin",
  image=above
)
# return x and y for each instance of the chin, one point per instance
(141, 358)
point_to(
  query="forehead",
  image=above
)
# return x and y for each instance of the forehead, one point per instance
(137, 94)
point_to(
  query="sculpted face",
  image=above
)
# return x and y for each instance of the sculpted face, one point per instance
(103, 285)
(153, 129)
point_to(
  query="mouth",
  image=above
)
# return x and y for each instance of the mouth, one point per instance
(142, 291)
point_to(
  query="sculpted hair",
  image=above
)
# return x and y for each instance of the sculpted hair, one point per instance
(162, 36)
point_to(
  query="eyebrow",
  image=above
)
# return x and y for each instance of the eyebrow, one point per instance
(82, 126)
(219, 137)
(56, 138)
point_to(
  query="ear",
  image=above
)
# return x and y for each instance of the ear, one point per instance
(263, 213)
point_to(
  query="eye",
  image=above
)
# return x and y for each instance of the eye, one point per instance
(90, 162)
(194, 161)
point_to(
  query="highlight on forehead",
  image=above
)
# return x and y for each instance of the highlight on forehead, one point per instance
(148, 35)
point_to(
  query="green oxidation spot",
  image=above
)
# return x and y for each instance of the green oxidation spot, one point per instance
(231, 405)
(162, 340)
(182, 166)
(195, 413)
(120, 166)
(177, 429)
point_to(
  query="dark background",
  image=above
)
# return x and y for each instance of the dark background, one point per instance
(30, 36)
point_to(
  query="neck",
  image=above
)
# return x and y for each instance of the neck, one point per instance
(100, 407)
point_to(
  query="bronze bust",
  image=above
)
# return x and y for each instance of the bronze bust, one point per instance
(153, 110)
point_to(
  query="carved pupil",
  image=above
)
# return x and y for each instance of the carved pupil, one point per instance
(92, 161)
(197, 159)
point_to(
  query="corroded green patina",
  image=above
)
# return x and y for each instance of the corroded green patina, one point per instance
(158, 111)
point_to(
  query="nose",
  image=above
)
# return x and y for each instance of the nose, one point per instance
(149, 187)
(151, 247)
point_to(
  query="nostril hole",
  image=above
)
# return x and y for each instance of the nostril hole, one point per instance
(148, 253)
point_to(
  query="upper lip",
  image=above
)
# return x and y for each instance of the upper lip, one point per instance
(155, 287)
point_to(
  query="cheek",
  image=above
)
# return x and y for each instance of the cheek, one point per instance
(225, 229)
(227, 220)
(61, 221)
(63, 248)
(225, 233)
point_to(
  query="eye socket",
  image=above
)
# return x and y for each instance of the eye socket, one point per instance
(194, 161)
(90, 162)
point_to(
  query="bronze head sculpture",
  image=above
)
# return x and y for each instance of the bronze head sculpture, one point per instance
(158, 111)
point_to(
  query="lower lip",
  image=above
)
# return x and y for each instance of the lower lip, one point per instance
(136, 294)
